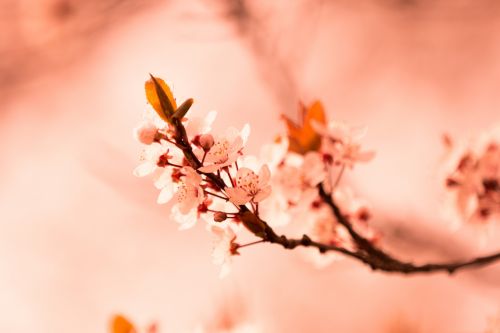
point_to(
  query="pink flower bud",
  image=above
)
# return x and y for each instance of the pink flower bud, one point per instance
(220, 216)
(206, 141)
(146, 132)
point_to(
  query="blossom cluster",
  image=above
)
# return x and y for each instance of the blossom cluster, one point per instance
(472, 179)
(208, 177)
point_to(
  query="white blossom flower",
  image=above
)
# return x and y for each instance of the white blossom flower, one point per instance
(189, 193)
(225, 150)
(224, 246)
(298, 177)
(188, 196)
(200, 125)
(472, 181)
(146, 132)
(186, 221)
(340, 141)
(250, 186)
(166, 186)
(150, 157)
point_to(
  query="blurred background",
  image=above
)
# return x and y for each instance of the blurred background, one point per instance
(82, 239)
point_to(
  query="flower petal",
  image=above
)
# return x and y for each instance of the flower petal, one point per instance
(264, 175)
(144, 169)
(166, 194)
(237, 195)
(263, 194)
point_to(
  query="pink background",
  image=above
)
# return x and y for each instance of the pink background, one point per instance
(81, 238)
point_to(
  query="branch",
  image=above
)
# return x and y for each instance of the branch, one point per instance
(378, 259)
(366, 252)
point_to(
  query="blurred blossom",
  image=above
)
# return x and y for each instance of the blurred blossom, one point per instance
(473, 179)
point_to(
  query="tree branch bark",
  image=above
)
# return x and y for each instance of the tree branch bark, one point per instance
(366, 251)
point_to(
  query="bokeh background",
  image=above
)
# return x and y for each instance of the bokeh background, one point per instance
(82, 239)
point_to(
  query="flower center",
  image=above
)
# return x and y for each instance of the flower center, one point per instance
(220, 151)
(248, 182)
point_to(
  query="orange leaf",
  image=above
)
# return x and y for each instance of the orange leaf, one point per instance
(160, 97)
(303, 138)
(120, 324)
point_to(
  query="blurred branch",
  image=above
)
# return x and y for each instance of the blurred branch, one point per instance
(39, 37)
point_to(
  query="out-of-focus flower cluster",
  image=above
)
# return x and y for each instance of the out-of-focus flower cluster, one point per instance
(472, 179)
(279, 186)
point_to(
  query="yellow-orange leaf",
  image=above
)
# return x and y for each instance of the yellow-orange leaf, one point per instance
(302, 137)
(120, 324)
(155, 98)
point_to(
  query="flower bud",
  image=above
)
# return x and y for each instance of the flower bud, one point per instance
(146, 132)
(206, 141)
(220, 216)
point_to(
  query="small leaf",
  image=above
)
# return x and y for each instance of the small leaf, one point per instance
(183, 109)
(160, 97)
(120, 324)
(303, 138)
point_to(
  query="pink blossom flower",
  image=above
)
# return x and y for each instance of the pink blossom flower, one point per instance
(298, 177)
(146, 132)
(200, 125)
(250, 186)
(473, 181)
(150, 157)
(224, 246)
(340, 141)
(189, 193)
(225, 151)
(166, 186)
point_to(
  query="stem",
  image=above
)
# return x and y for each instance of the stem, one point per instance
(204, 156)
(216, 195)
(226, 169)
(252, 243)
(174, 165)
(337, 181)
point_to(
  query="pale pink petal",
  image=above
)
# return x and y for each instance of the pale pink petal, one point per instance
(263, 194)
(164, 179)
(237, 195)
(166, 194)
(236, 146)
(210, 168)
(144, 169)
(264, 175)
(186, 221)
(245, 133)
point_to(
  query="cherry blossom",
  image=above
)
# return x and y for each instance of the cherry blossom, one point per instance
(299, 175)
(146, 132)
(341, 142)
(224, 247)
(200, 125)
(189, 193)
(250, 187)
(150, 157)
(473, 181)
(225, 150)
